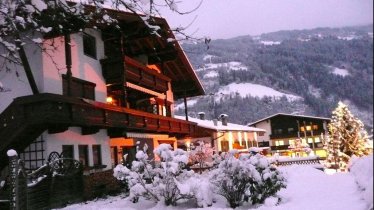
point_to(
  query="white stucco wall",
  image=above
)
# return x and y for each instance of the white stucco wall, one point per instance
(54, 142)
(266, 126)
(48, 68)
(83, 67)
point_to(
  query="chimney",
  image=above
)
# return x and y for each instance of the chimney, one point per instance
(215, 122)
(201, 115)
(224, 118)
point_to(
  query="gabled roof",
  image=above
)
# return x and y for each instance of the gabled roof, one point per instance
(162, 48)
(289, 115)
(219, 127)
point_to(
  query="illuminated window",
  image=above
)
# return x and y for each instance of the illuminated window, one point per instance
(316, 139)
(279, 143)
(315, 127)
(303, 141)
(308, 127)
(302, 129)
(291, 142)
(310, 140)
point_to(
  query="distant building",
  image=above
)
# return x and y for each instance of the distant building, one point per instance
(222, 135)
(282, 131)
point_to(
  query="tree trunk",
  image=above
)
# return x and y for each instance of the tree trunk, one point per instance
(26, 65)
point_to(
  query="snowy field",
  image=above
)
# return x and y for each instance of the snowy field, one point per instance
(254, 90)
(307, 189)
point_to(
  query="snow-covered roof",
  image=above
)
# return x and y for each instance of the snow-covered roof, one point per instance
(291, 115)
(219, 127)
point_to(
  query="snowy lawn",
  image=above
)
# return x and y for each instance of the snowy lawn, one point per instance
(307, 189)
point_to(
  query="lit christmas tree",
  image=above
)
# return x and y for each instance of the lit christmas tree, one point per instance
(347, 137)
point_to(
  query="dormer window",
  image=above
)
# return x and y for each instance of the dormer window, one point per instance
(89, 45)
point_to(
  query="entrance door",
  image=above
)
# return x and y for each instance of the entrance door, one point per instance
(114, 156)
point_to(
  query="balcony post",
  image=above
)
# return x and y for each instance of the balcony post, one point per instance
(185, 106)
(68, 62)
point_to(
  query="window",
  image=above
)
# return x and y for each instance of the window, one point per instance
(278, 131)
(261, 133)
(290, 130)
(96, 153)
(68, 151)
(302, 129)
(89, 45)
(291, 142)
(310, 140)
(34, 155)
(315, 127)
(279, 143)
(308, 127)
(83, 154)
(317, 140)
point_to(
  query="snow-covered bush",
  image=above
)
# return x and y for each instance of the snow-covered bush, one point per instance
(161, 181)
(271, 179)
(362, 170)
(201, 155)
(249, 178)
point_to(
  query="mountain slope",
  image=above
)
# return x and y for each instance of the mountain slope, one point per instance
(317, 67)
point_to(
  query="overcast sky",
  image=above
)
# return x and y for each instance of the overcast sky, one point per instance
(231, 18)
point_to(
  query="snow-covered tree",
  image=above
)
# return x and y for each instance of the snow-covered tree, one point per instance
(249, 178)
(347, 137)
(160, 181)
(200, 155)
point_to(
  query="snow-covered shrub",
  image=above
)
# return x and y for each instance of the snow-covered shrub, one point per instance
(249, 178)
(163, 180)
(201, 155)
(362, 170)
(271, 179)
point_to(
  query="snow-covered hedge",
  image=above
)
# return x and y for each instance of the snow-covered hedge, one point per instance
(167, 180)
(362, 170)
(250, 178)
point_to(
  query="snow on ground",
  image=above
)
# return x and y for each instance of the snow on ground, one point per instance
(255, 90)
(307, 189)
(312, 189)
(269, 43)
(233, 66)
(190, 102)
(211, 74)
(362, 170)
(339, 71)
(208, 57)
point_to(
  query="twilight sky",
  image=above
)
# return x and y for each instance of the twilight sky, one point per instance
(230, 18)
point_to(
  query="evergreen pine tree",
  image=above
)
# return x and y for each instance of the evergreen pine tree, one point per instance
(347, 137)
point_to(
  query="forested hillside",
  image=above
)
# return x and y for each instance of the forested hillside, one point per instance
(303, 72)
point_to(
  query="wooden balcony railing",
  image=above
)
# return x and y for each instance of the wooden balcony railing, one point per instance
(134, 72)
(28, 117)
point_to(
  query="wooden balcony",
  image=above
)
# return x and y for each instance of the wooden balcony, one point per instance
(295, 135)
(116, 71)
(28, 117)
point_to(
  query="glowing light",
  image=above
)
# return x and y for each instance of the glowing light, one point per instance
(109, 100)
